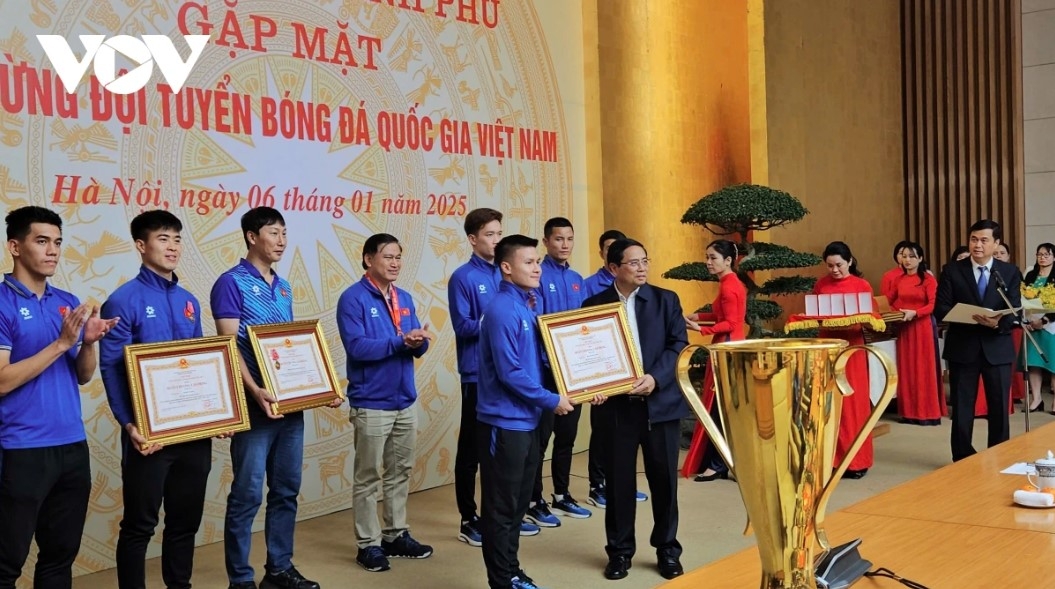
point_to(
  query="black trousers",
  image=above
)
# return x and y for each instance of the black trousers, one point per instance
(508, 462)
(564, 429)
(596, 460)
(963, 382)
(626, 429)
(44, 493)
(176, 476)
(466, 458)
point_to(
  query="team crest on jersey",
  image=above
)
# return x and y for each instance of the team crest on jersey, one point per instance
(27, 315)
(188, 311)
(575, 287)
(404, 312)
(284, 293)
(150, 312)
(63, 311)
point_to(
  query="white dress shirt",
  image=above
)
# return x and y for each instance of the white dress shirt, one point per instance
(631, 318)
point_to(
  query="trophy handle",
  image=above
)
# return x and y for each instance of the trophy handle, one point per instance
(689, 392)
(890, 387)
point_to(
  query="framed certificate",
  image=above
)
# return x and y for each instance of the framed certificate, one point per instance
(186, 389)
(591, 351)
(295, 365)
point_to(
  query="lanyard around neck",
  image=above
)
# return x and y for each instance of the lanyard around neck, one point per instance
(392, 302)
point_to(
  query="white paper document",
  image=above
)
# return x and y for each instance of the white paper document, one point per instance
(1019, 468)
(963, 313)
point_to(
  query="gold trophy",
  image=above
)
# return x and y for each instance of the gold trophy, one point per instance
(778, 404)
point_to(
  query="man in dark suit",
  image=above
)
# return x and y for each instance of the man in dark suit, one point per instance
(984, 348)
(648, 417)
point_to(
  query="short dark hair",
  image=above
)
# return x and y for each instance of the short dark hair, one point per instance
(377, 242)
(725, 249)
(555, 223)
(146, 223)
(984, 224)
(619, 247)
(610, 234)
(839, 248)
(510, 244)
(20, 220)
(257, 218)
(477, 218)
(959, 251)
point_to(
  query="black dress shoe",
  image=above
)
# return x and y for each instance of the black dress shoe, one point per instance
(1039, 408)
(670, 566)
(706, 478)
(618, 568)
(855, 474)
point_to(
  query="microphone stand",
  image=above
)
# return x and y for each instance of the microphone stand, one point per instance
(1021, 316)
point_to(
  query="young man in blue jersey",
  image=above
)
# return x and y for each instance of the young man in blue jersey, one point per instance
(560, 289)
(510, 402)
(252, 293)
(602, 278)
(382, 336)
(154, 308)
(469, 290)
(47, 349)
(594, 284)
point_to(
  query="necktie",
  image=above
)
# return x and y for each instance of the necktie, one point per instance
(983, 281)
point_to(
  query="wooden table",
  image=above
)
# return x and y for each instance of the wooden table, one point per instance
(954, 528)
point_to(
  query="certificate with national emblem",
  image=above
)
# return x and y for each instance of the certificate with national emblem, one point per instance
(591, 351)
(186, 390)
(295, 365)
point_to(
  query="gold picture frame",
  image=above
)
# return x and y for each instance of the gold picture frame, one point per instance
(309, 380)
(186, 390)
(591, 351)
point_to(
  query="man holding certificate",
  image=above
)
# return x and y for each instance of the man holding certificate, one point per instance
(510, 402)
(47, 349)
(983, 348)
(382, 336)
(155, 308)
(252, 293)
(647, 418)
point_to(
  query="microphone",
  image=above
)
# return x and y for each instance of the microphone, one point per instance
(999, 280)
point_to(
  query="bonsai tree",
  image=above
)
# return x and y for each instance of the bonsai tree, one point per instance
(735, 212)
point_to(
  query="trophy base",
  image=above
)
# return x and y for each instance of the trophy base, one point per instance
(842, 566)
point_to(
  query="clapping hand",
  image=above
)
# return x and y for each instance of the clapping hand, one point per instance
(417, 337)
(96, 328)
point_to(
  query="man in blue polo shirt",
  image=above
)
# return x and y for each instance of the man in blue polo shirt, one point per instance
(511, 400)
(602, 278)
(252, 293)
(47, 349)
(560, 289)
(382, 336)
(594, 284)
(155, 308)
